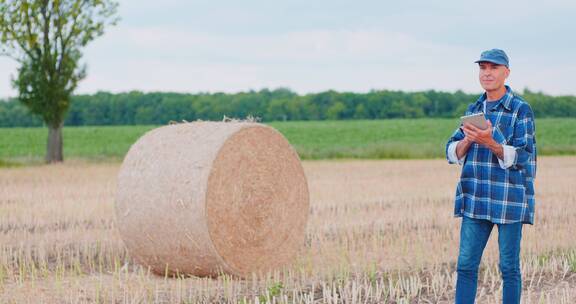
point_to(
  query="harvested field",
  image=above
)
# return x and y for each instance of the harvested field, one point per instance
(378, 232)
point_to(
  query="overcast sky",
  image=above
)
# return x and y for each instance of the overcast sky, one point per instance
(312, 46)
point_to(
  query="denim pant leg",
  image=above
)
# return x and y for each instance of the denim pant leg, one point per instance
(474, 234)
(509, 237)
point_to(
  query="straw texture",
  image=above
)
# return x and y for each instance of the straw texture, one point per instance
(203, 198)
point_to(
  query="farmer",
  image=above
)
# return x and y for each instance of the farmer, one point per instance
(496, 185)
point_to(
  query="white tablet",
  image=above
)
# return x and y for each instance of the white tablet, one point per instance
(478, 120)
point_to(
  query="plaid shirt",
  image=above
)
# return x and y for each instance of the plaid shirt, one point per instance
(487, 191)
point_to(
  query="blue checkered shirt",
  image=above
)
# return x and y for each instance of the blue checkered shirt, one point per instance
(486, 190)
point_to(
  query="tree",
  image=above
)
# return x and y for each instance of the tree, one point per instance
(46, 37)
(335, 111)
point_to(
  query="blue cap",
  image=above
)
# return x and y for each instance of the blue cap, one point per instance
(496, 56)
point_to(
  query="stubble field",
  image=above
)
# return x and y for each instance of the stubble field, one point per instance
(378, 232)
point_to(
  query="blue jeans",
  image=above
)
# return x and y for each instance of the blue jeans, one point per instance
(474, 235)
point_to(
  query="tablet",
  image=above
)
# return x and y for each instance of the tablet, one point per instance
(478, 120)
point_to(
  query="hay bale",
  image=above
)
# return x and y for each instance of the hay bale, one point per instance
(203, 198)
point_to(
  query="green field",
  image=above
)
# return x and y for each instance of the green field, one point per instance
(402, 138)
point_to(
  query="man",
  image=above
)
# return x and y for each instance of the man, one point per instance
(496, 186)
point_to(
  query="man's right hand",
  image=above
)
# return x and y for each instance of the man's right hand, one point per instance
(463, 146)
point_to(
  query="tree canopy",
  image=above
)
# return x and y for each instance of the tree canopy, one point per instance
(46, 38)
(136, 108)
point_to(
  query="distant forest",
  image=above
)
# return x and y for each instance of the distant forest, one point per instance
(137, 108)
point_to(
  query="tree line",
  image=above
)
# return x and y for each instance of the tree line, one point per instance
(137, 108)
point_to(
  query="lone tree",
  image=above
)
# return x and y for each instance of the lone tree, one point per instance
(46, 37)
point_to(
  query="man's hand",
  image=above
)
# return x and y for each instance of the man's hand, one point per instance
(483, 137)
(477, 135)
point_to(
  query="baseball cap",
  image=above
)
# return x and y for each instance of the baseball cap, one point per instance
(496, 56)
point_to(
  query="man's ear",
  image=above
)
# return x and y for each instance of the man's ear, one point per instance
(507, 72)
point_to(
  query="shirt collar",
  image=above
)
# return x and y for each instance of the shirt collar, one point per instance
(506, 100)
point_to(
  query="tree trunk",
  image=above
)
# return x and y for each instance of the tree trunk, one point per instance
(54, 147)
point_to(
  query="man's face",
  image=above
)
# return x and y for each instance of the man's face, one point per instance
(493, 76)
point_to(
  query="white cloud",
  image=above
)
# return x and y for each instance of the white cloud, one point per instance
(358, 60)
(313, 46)
(7, 68)
(430, 48)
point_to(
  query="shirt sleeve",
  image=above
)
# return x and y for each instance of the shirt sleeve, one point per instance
(452, 156)
(524, 141)
(509, 157)
(457, 136)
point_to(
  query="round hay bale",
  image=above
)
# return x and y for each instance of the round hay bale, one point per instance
(206, 198)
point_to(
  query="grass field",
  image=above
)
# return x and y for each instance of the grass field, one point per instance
(378, 232)
(372, 139)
